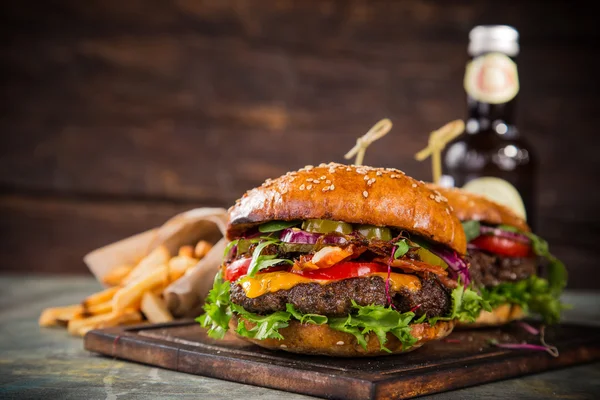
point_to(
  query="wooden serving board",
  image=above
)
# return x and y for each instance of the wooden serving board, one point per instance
(464, 359)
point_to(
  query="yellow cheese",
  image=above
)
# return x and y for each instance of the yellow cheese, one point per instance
(271, 282)
(401, 281)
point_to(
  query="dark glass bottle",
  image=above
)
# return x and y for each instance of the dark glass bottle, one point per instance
(491, 157)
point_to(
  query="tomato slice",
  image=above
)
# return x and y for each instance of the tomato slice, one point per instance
(502, 246)
(237, 269)
(343, 270)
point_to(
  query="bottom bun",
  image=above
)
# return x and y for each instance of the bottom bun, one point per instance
(498, 316)
(321, 339)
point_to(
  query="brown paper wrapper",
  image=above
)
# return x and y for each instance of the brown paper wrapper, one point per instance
(185, 296)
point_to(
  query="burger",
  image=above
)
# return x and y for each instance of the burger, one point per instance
(344, 261)
(510, 266)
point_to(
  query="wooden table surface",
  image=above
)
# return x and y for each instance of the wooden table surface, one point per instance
(48, 363)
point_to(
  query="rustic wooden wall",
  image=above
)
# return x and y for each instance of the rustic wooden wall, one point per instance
(118, 114)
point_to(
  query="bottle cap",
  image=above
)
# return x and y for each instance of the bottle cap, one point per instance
(494, 38)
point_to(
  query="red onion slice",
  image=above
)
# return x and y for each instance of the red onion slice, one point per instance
(553, 351)
(518, 237)
(294, 235)
(458, 267)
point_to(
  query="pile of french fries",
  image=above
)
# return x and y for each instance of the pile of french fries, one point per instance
(134, 293)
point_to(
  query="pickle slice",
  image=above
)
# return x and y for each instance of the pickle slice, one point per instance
(243, 245)
(428, 257)
(326, 226)
(375, 232)
(297, 247)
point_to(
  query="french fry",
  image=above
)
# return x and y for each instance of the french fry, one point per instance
(80, 327)
(96, 309)
(56, 316)
(186, 251)
(202, 248)
(157, 257)
(131, 295)
(100, 297)
(116, 275)
(178, 265)
(155, 308)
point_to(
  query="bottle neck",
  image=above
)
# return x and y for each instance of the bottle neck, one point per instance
(482, 111)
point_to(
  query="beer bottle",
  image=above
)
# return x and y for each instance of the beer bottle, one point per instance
(491, 157)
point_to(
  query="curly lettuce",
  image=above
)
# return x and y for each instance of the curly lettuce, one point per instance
(534, 294)
(377, 319)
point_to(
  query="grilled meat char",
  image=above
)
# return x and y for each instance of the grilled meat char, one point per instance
(489, 270)
(335, 299)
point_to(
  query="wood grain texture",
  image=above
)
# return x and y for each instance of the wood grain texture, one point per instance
(193, 103)
(436, 367)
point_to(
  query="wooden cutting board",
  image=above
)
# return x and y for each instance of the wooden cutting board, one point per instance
(463, 359)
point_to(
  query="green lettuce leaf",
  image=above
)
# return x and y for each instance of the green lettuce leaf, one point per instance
(315, 319)
(401, 248)
(266, 326)
(377, 319)
(466, 305)
(259, 261)
(228, 248)
(472, 229)
(276, 226)
(217, 312)
(534, 294)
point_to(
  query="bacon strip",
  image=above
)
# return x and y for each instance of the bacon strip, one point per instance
(413, 265)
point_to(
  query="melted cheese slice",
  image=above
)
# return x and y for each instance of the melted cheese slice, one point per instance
(274, 281)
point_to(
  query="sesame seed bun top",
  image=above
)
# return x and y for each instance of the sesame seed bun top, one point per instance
(353, 194)
(470, 206)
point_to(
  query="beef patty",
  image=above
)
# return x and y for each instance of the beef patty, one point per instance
(335, 299)
(491, 270)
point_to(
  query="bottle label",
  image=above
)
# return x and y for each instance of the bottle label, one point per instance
(498, 190)
(492, 78)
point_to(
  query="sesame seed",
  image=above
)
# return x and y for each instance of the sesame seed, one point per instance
(322, 165)
(447, 211)
(340, 343)
(328, 181)
(431, 196)
(309, 187)
(332, 169)
(309, 179)
(326, 188)
(379, 173)
(302, 187)
(316, 181)
(414, 185)
(323, 177)
(366, 178)
(308, 167)
(283, 346)
(348, 169)
(366, 194)
(331, 187)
